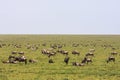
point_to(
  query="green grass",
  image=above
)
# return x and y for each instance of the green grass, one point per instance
(42, 70)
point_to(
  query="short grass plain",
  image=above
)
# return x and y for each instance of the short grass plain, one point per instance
(42, 70)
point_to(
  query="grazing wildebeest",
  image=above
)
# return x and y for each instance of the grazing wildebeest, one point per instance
(75, 52)
(66, 59)
(86, 60)
(21, 59)
(111, 58)
(14, 52)
(44, 44)
(32, 60)
(48, 52)
(51, 54)
(17, 46)
(44, 51)
(54, 46)
(89, 54)
(113, 48)
(59, 51)
(63, 52)
(114, 53)
(50, 61)
(75, 45)
(92, 50)
(21, 53)
(13, 59)
(34, 47)
(77, 64)
(59, 46)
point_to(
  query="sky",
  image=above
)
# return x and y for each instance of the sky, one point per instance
(59, 16)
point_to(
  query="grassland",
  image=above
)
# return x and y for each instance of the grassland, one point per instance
(42, 70)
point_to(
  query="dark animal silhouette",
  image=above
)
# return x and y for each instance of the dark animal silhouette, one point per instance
(75, 52)
(89, 54)
(86, 60)
(111, 58)
(114, 53)
(13, 59)
(50, 61)
(14, 52)
(32, 61)
(66, 60)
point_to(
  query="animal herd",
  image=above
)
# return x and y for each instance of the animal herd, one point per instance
(52, 51)
(87, 59)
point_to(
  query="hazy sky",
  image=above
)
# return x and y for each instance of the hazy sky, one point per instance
(59, 16)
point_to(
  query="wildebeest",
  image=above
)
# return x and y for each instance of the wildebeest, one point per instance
(114, 53)
(5, 62)
(48, 52)
(54, 46)
(14, 59)
(66, 59)
(111, 58)
(75, 52)
(44, 51)
(32, 60)
(21, 53)
(34, 47)
(75, 45)
(113, 48)
(50, 61)
(44, 44)
(77, 64)
(59, 46)
(86, 60)
(17, 46)
(92, 50)
(89, 54)
(51, 54)
(14, 52)
(63, 52)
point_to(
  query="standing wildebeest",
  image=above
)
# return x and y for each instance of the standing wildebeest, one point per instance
(111, 58)
(66, 60)
(75, 52)
(86, 60)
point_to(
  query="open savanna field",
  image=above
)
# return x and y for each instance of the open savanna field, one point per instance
(32, 45)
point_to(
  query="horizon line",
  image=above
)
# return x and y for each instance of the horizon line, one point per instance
(55, 34)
